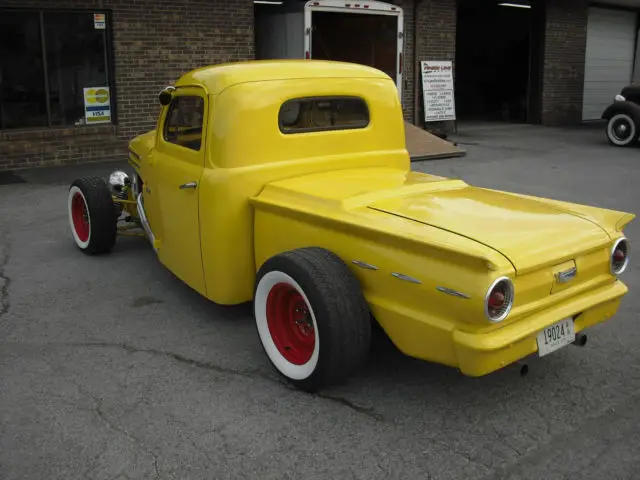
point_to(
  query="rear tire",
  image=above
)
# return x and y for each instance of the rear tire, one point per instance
(312, 319)
(622, 130)
(92, 215)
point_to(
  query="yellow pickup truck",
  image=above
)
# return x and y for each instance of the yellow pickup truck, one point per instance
(288, 184)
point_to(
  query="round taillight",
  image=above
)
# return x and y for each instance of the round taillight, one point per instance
(619, 256)
(496, 300)
(499, 300)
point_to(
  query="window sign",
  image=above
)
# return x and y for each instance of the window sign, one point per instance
(438, 91)
(97, 108)
(99, 22)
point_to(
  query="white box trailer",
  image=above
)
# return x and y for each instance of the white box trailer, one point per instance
(365, 32)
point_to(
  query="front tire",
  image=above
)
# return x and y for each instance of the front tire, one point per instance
(312, 318)
(92, 216)
(622, 130)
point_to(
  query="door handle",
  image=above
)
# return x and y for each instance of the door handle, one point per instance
(188, 185)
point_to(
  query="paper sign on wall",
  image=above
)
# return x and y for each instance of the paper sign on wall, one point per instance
(438, 91)
(99, 21)
(97, 105)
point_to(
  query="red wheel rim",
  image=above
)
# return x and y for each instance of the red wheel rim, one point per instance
(290, 324)
(80, 217)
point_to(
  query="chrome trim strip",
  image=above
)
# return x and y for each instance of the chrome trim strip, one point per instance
(145, 222)
(454, 293)
(135, 185)
(134, 155)
(406, 278)
(368, 266)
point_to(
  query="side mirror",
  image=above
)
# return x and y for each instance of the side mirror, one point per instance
(166, 95)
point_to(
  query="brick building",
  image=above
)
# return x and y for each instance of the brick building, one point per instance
(52, 50)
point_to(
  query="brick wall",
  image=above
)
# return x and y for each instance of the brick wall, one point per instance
(155, 41)
(435, 40)
(564, 58)
(436, 25)
(436, 22)
(33, 148)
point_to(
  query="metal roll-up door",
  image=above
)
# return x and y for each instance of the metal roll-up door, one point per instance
(609, 58)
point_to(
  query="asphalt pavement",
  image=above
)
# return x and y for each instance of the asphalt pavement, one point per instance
(111, 368)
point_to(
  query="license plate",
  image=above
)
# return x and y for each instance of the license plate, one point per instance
(556, 336)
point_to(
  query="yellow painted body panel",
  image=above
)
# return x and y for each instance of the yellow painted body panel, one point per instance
(261, 192)
(174, 213)
(510, 224)
(217, 79)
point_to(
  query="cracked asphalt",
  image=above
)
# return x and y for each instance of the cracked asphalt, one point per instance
(110, 368)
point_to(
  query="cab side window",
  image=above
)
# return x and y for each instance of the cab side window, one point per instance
(183, 124)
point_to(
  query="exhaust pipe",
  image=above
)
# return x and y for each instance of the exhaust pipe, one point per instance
(524, 369)
(581, 340)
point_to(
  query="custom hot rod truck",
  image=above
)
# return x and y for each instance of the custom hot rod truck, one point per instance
(288, 184)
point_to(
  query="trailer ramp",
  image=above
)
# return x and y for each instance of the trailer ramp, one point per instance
(423, 145)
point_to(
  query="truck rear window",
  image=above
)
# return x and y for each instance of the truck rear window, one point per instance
(323, 113)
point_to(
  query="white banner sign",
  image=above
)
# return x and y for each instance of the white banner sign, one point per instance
(438, 91)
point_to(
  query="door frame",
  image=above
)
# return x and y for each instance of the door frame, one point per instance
(180, 154)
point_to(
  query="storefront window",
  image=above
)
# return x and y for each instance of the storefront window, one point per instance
(22, 93)
(48, 60)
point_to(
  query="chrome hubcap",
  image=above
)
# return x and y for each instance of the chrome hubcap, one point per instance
(621, 130)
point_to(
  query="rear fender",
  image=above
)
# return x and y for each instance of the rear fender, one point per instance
(397, 271)
(630, 108)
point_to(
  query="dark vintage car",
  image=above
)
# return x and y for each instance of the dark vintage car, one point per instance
(623, 117)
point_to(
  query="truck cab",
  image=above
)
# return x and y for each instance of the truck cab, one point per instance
(225, 132)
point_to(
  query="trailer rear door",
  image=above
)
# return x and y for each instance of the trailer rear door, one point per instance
(367, 32)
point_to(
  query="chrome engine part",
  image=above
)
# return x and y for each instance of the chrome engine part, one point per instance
(119, 182)
(119, 179)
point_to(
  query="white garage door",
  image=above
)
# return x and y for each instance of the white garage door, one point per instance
(611, 41)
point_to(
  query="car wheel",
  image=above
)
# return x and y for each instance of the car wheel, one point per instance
(92, 216)
(312, 319)
(621, 130)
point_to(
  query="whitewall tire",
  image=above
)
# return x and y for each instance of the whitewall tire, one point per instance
(93, 219)
(277, 297)
(79, 217)
(312, 319)
(622, 130)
